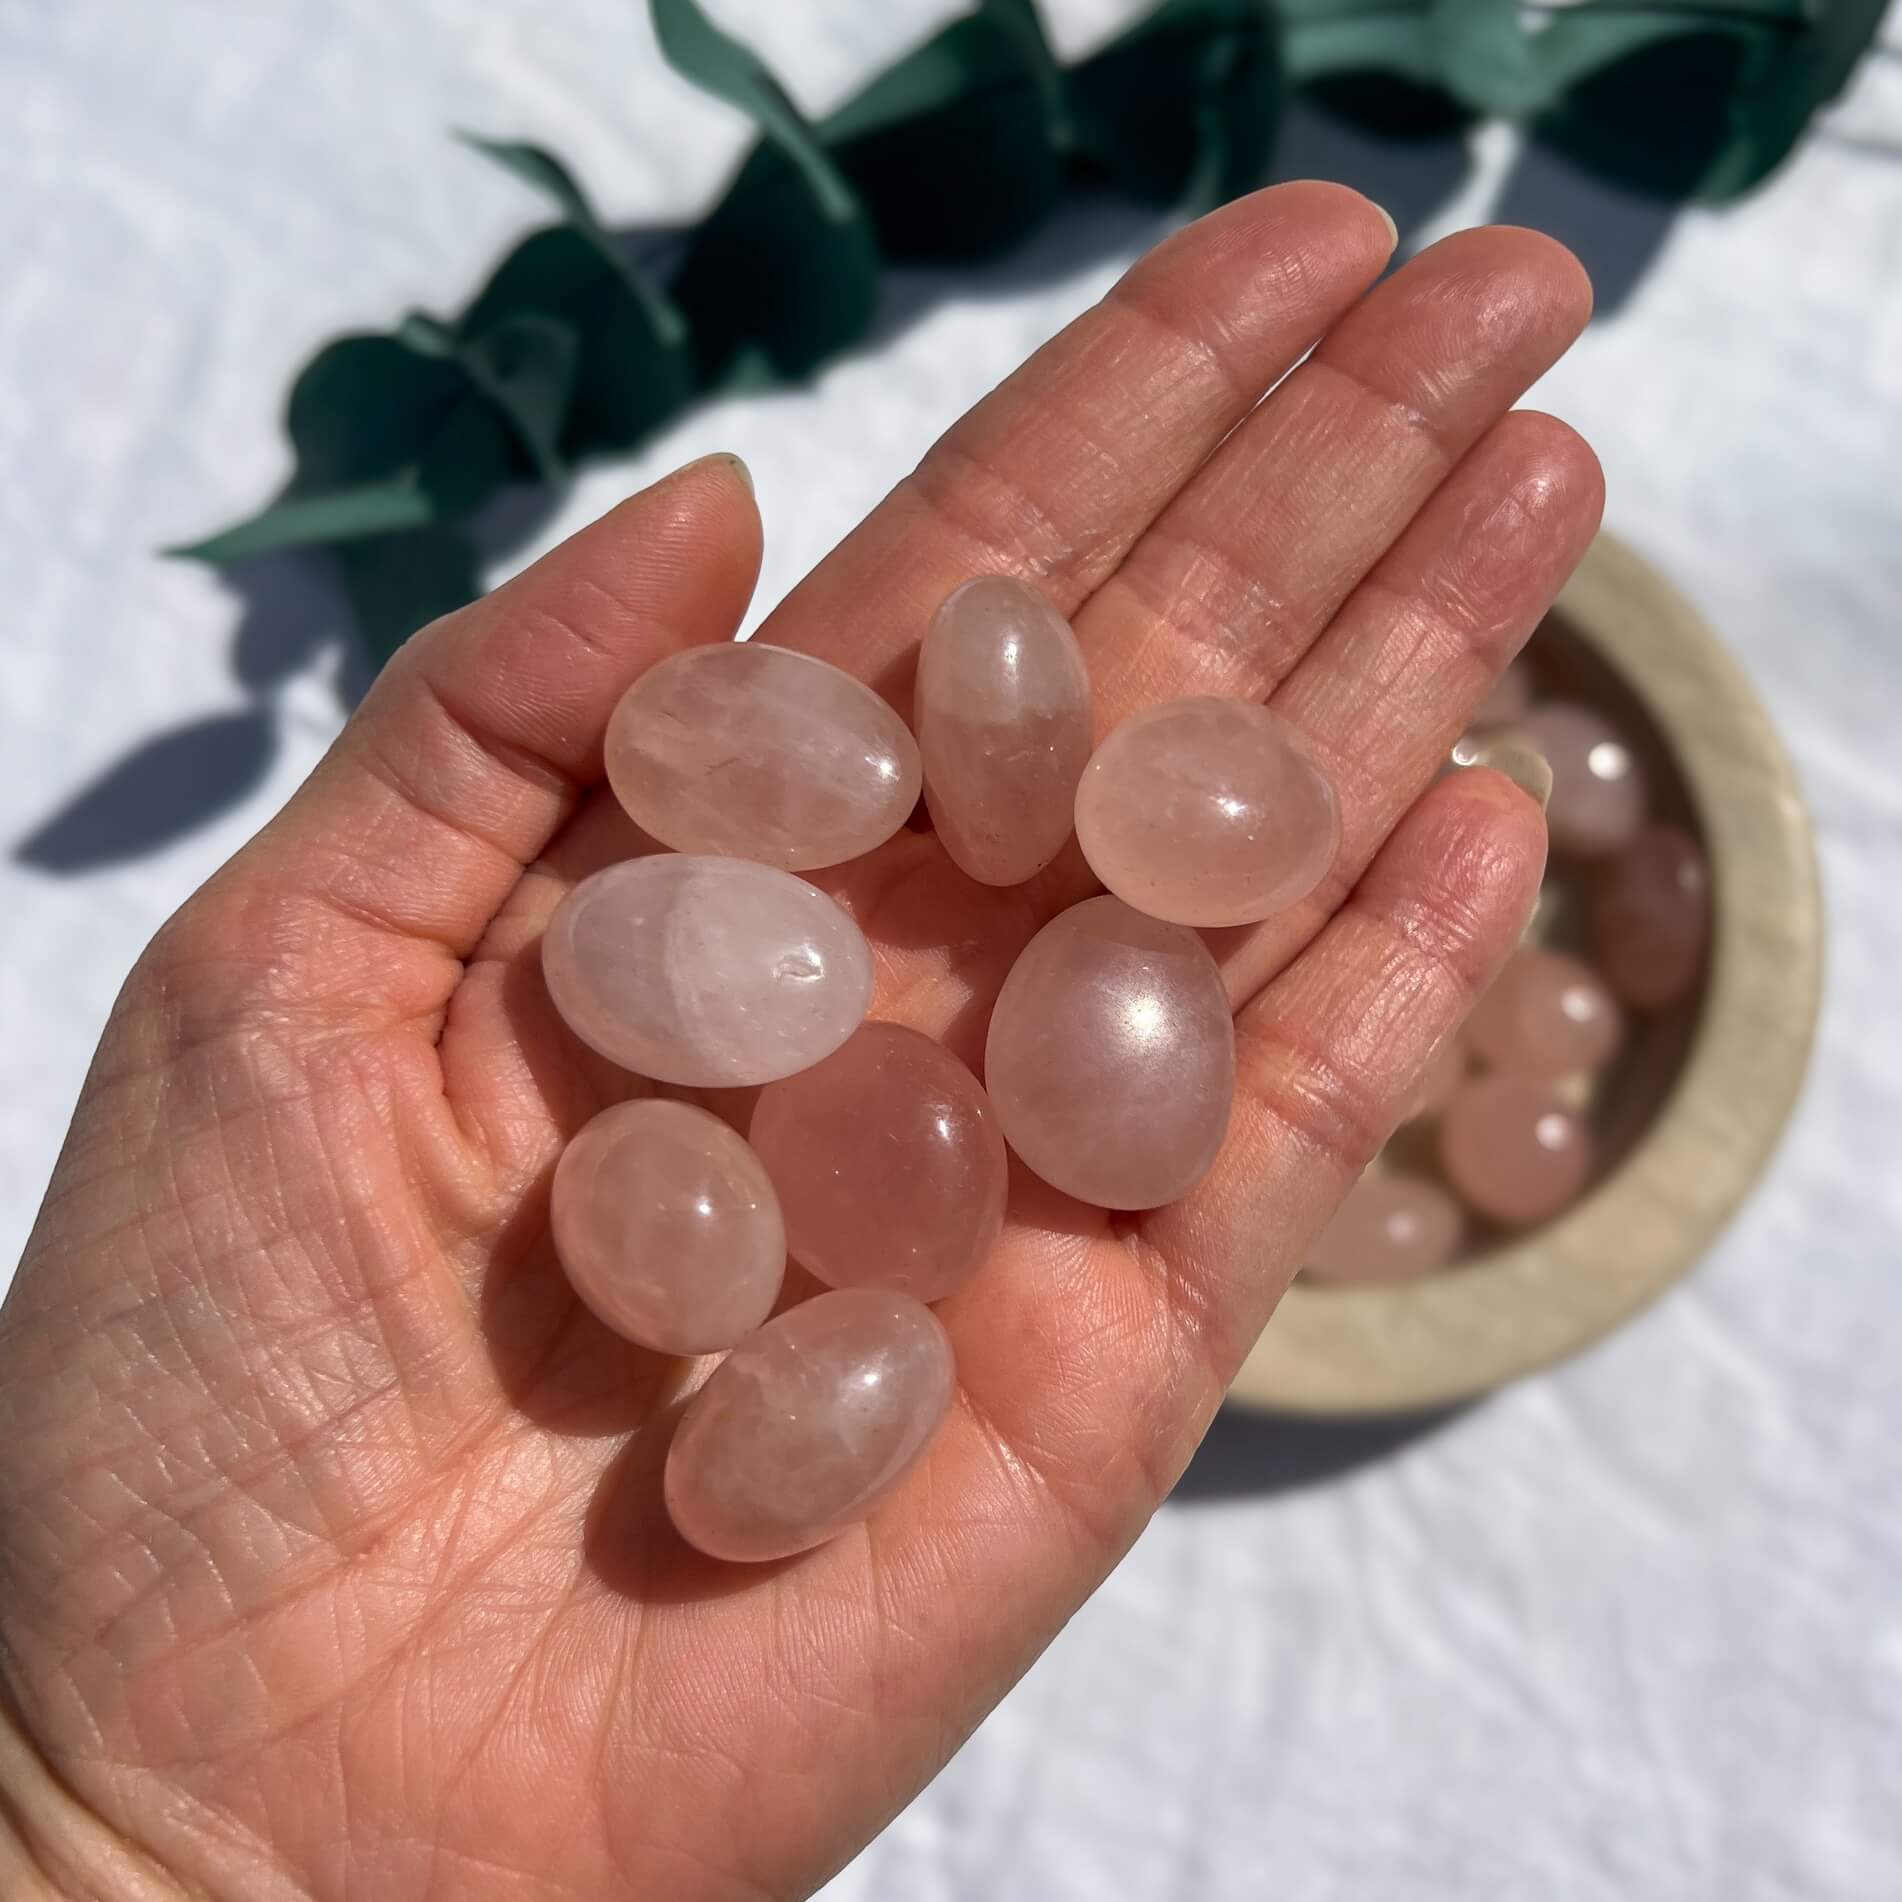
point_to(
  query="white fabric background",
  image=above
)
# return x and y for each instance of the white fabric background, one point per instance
(1630, 1630)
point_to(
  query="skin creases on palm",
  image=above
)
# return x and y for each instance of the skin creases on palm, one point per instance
(332, 1554)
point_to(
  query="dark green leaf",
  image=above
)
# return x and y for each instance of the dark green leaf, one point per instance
(717, 63)
(373, 508)
(629, 377)
(954, 151)
(365, 407)
(1182, 99)
(526, 367)
(398, 583)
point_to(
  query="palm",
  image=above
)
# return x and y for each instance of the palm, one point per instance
(331, 1553)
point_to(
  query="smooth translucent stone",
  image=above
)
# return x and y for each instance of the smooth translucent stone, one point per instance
(1514, 1149)
(706, 971)
(1651, 915)
(889, 1164)
(668, 1227)
(1443, 1075)
(1111, 1057)
(1546, 1014)
(1003, 713)
(1206, 812)
(756, 752)
(1390, 1228)
(1508, 697)
(808, 1424)
(1599, 791)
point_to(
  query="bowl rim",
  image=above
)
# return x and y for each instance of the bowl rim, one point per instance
(1356, 1350)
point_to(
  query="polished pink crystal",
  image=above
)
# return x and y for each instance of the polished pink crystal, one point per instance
(706, 971)
(1443, 1075)
(889, 1164)
(809, 1423)
(1651, 917)
(1514, 1149)
(1003, 713)
(1547, 1014)
(1206, 812)
(1111, 1057)
(1599, 789)
(1389, 1228)
(760, 753)
(668, 1227)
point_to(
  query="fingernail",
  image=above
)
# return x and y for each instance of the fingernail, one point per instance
(1521, 762)
(1393, 230)
(732, 461)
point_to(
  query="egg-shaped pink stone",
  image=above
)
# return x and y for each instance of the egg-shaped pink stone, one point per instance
(1206, 812)
(1547, 1014)
(706, 971)
(1111, 1056)
(760, 753)
(1389, 1228)
(888, 1162)
(808, 1424)
(1514, 1149)
(1599, 789)
(1003, 713)
(668, 1227)
(1651, 917)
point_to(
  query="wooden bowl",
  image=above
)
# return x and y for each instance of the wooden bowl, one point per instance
(1696, 1104)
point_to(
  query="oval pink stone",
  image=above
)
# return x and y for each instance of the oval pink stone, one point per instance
(1390, 1228)
(1547, 1014)
(889, 1164)
(1651, 915)
(1206, 812)
(706, 971)
(1599, 790)
(1111, 1057)
(1003, 715)
(760, 753)
(808, 1424)
(1514, 1149)
(667, 1227)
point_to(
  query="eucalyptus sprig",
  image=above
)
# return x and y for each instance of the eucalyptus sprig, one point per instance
(956, 154)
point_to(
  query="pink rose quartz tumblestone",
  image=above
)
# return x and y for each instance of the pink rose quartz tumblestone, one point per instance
(667, 1227)
(760, 753)
(706, 971)
(808, 1424)
(1390, 1228)
(1547, 1014)
(1599, 790)
(889, 1164)
(1206, 812)
(1111, 1057)
(1514, 1149)
(1003, 713)
(1651, 914)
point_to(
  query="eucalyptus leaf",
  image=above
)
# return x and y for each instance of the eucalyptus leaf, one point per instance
(308, 521)
(954, 151)
(958, 151)
(398, 583)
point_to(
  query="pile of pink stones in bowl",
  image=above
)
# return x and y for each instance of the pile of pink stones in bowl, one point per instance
(1501, 1136)
(876, 1159)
